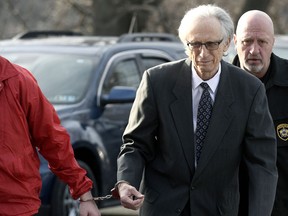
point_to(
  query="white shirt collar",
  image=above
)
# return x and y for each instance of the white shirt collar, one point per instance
(213, 82)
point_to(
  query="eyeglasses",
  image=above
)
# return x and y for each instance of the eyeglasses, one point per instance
(210, 45)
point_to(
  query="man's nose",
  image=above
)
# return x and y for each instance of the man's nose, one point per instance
(255, 48)
(203, 50)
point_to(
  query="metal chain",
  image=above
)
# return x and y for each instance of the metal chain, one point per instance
(97, 198)
(114, 194)
(102, 198)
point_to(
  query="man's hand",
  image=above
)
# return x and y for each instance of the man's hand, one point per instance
(88, 206)
(130, 198)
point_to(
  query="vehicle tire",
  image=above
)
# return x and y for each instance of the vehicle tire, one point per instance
(62, 203)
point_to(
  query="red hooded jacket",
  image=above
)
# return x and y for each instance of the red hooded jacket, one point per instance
(29, 124)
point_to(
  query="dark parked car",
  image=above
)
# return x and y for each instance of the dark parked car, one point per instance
(91, 81)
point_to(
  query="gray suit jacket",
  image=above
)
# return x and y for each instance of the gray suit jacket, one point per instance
(159, 144)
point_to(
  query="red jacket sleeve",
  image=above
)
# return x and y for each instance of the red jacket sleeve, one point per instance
(51, 138)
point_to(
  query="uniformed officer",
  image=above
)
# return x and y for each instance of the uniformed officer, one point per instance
(254, 40)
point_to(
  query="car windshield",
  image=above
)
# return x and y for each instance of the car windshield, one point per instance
(62, 78)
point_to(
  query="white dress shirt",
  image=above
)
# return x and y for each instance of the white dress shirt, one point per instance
(197, 90)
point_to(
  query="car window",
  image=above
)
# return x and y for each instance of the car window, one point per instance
(151, 62)
(26, 60)
(62, 78)
(123, 73)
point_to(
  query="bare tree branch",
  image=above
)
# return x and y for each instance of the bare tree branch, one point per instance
(76, 5)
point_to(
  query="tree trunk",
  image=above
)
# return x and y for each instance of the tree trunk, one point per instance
(113, 17)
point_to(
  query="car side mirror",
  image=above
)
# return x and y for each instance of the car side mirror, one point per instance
(119, 94)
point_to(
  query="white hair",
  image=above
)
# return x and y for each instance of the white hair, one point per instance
(203, 12)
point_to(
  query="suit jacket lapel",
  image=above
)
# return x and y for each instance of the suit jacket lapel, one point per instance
(181, 111)
(220, 120)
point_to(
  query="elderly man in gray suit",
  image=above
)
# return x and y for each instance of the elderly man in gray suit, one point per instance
(192, 123)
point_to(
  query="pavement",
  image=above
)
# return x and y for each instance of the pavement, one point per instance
(118, 211)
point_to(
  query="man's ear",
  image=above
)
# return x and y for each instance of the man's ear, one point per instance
(227, 44)
(235, 39)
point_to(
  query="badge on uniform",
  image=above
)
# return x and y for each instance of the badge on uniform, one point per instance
(282, 131)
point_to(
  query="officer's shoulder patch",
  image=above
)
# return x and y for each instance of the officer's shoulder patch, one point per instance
(282, 131)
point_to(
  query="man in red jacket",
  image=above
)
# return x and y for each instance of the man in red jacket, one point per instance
(29, 124)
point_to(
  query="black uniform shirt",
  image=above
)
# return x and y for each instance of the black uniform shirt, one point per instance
(276, 84)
